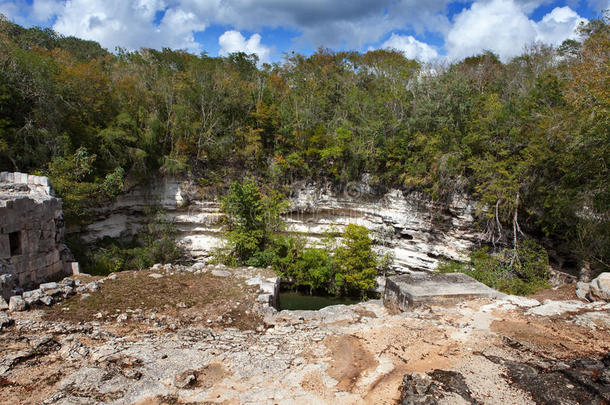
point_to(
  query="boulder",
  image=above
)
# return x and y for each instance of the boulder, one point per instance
(16, 303)
(3, 304)
(600, 287)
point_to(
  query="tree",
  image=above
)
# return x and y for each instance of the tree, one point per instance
(252, 220)
(354, 261)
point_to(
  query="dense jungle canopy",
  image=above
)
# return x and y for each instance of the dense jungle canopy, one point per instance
(529, 138)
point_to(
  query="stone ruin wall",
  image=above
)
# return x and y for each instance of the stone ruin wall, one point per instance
(32, 249)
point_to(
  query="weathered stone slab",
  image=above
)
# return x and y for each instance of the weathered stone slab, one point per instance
(406, 291)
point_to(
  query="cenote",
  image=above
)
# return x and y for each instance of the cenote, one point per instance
(294, 300)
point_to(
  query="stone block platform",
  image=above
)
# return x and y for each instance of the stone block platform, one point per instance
(406, 291)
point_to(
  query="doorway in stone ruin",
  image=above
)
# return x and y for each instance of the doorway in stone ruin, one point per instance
(14, 240)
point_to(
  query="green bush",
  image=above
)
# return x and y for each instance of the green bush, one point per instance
(354, 262)
(252, 219)
(523, 274)
(156, 244)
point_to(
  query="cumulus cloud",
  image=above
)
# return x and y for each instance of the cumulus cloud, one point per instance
(559, 25)
(411, 47)
(599, 5)
(329, 23)
(129, 23)
(234, 41)
(44, 10)
(14, 10)
(503, 27)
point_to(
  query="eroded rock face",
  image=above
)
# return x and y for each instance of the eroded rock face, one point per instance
(416, 230)
(436, 387)
(573, 381)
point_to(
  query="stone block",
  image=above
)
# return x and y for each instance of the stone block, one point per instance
(21, 178)
(21, 205)
(5, 248)
(73, 268)
(16, 303)
(407, 291)
(45, 287)
(57, 268)
(32, 293)
(3, 177)
(25, 278)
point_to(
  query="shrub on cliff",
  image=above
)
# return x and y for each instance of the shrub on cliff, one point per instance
(354, 262)
(522, 273)
(252, 218)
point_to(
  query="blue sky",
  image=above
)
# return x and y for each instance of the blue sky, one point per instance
(428, 30)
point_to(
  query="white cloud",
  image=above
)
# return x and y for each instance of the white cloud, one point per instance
(411, 47)
(44, 10)
(502, 27)
(234, 41)
(14, 11)
(129, 24)
(328, 23)
(599, 5)
(559, 25)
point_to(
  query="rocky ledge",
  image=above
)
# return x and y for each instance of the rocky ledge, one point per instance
(167, 336)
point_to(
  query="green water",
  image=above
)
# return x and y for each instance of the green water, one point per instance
(296, 300)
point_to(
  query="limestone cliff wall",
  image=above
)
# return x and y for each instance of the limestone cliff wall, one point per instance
(418, 231)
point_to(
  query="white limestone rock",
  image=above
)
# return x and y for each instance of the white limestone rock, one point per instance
(405, 224)
(522, 301)
(47, 300)
(3, 304)
(46, 287)
(550, 308)
(16, 303)
(600, 287)
(582, 290)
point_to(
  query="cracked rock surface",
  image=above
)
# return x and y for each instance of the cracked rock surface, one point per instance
(178, 347)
